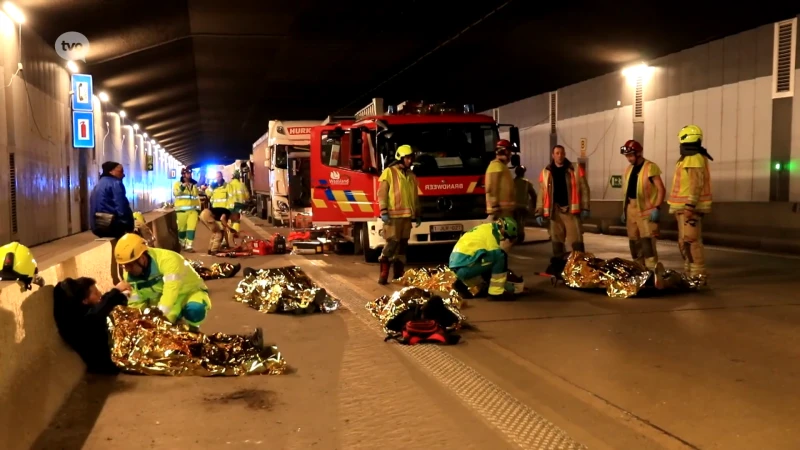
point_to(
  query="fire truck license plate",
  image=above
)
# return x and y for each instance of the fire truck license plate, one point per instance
(446, 228)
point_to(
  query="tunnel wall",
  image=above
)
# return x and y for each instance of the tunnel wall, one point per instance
(724, 86)
(45, 195)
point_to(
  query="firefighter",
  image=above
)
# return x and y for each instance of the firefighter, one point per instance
(217, 221)
(481, 254)
(398, 197)
(218, 192)
(238, 196)
(644, 193)
(525, 196)
(187, 207)
(500, 183)
(690, 199)
(162, 279)
(20, 266)
(564, 200)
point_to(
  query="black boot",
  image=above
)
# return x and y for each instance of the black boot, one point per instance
(559, 249)
(398, 269)
(578, 247)
(384, 276)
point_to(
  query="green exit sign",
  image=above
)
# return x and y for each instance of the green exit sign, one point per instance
(615, 181)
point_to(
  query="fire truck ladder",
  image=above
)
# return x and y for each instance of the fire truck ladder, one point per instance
(373, 109)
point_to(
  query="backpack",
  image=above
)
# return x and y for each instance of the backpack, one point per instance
(422, 331)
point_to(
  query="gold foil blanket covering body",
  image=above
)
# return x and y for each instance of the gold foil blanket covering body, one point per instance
(216, 271)
(421, 285)
(283, 290)
(143, 342)
(620, 278)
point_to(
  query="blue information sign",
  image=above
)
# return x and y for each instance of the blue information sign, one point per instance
(82, 92)
(82, 129)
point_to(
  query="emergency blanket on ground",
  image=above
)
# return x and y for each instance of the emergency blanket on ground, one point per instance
(440, 280)
(414, 303)
(283, 290)
(620, 278)
(216, 271)
(147, 344)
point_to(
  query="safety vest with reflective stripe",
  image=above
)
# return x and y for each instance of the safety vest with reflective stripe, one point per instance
(186, 199)
(402, 199)
(689, 191)
(574, 195)
(237, 193)
(219, 197)
(499, 186)
(646, 196)
(169, 283)
(481, 245)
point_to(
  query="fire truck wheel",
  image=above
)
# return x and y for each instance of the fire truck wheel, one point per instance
(370, 255)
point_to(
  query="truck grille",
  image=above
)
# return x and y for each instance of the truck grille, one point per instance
(453, 207)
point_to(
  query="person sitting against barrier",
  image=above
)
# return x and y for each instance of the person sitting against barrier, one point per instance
(81, 312)
(162, 279)
(20, 266)
(481, 255)
(217, 221)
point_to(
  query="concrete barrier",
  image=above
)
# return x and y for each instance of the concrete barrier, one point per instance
(38, 371)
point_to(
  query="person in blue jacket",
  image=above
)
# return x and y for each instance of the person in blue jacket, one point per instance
(111, 215)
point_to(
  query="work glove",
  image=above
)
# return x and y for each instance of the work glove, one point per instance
(655, 215)
(419, 222)
(540, 221)
(385, 218)
(584, 214)
(623, 218)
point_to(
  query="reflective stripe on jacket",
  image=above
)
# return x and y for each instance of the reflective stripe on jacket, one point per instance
(169, 282)
(219, 197)
(186, 199)
(398, 194)
(237, 193)
(691, 184)
(646, 195)
(499, 187)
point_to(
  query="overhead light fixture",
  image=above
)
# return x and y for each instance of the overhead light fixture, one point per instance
(136, 127)
(144, 135)
(14, 12)
(153, 142)
(635, 74)
(122, 114)
(103, 96)
(72, 67)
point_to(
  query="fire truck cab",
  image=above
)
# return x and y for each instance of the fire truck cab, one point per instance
(453, 146)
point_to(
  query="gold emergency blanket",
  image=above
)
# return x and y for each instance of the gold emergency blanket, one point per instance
(216, 271)
(147, 344)
(283, 290)
(389, 307)
(620, 278)
(440, 280)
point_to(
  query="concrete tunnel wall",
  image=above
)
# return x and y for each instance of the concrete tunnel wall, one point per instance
(725, 87)
(45, 183)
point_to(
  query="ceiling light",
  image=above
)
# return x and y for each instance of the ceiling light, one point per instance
(122, 114)
(72, 66)
(136, 127)
(145, 135)
(635, 71)
(103, 96)
(12, 10)
(153, 142)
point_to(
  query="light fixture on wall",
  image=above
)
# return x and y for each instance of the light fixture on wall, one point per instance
(638, 72)
(144, 135)
(72, 67)
(14, 12)
(136, 127)
(103, 96)
(122, 114)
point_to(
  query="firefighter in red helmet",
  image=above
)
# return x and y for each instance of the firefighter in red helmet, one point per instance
(644, 192)
(500, 183)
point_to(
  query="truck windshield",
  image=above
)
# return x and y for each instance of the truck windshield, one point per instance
(284, 152)
(443, 149)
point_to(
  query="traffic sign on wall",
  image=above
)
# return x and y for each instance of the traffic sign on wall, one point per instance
(82, 92)
(82, 129)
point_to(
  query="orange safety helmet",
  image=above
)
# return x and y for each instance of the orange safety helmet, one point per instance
(631, 146)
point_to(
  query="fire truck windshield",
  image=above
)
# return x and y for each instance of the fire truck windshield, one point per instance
(443, 149)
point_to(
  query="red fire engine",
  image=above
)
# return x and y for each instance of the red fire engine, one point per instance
(453, 146)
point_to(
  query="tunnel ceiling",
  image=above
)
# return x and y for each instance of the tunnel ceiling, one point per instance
(205, 76)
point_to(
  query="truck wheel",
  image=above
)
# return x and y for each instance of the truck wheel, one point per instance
(358, 246)
(370, 255)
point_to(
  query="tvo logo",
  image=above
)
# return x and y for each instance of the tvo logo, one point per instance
(72, 46)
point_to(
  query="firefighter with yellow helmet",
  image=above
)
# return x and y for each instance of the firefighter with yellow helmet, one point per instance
(187, 208)
(19, 265)
(398, 198)
(500, 190)
(690, 199)
(161, 279)
(481, 255)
